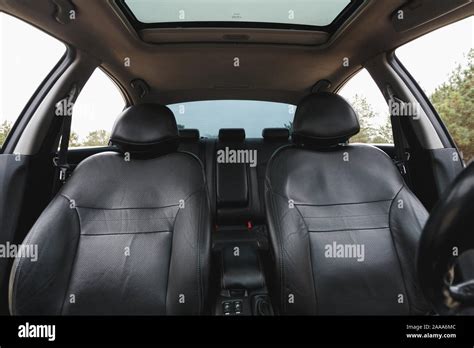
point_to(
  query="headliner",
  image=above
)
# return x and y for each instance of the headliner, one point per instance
(197, 64)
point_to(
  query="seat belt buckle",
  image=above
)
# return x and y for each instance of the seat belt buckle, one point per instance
(62, 174)
(401, 167)
(63, 169)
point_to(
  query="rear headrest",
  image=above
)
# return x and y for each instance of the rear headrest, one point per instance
(324, 119)
(146, 129)
(189, 134)
(232, 134)
(275, 134)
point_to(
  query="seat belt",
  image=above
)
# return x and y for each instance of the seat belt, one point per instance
(402, 155)
(63, 109)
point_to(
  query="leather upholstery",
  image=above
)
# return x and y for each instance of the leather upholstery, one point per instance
(242, 272)
(275, 134)
(321, 198)
(189, 134)
(233, 180)
(122, 237)
(324, 119)
(146, 129)
(232, 134)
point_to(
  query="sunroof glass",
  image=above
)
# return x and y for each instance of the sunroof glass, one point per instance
(289, 12)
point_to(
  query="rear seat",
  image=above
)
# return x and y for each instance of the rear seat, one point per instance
(236, 190)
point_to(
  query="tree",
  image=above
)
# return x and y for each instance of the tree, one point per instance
(97, 138)
(289, 126)
(5, 128)
(366, 116)
(454, 101)
(74, 140)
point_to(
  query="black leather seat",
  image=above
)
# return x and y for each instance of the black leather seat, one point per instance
(123, 236)
(344, 227)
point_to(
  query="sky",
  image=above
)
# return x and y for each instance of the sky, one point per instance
(27, 56)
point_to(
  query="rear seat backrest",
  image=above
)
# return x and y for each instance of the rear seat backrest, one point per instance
(236, 190)
(273, 139)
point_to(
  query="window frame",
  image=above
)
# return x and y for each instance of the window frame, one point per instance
(39, 94)
(441, 130)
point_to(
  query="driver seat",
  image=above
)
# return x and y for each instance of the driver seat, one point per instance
(344, 226)
(128, 234)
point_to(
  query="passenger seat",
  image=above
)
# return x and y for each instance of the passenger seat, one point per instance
(344, 226)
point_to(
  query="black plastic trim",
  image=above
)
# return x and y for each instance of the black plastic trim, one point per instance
(425, 103)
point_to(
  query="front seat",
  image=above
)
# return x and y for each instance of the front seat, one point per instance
(128, 234)
(344, 226)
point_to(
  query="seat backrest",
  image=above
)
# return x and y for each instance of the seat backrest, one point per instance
(129, 233)
(344, 227)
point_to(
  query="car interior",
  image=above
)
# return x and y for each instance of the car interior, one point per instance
(166, 219)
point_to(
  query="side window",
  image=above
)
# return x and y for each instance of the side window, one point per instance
(27, 56)
(95, 110)
(363, 94)
(442, 62)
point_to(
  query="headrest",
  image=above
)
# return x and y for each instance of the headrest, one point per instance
(146, 129)
(232, 134)
(324, 119)
(275, 134)
(189, 134)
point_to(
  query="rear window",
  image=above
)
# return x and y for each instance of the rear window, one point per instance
(296, 12)
(253, 116)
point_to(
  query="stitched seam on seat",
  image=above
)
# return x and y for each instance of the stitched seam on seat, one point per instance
(395, 247)
(121, 233)
(350, 229)
(17, 274)
(310, 260)
(338, 217)
(280, 257)
(200, 289)
(120, 219)
(123, 208)
(331, 205)
(74, 257)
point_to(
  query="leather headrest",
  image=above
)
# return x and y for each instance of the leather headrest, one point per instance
(147, 129)
(232, 134)
(324, 119)
(189, 134)
(275, 134)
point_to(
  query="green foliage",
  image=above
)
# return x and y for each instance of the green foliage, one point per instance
(97, 138)
(454, 101)
(369, 131)
(74, 140)
(5, 128)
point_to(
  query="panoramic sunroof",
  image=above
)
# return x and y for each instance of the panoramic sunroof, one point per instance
(238, 13)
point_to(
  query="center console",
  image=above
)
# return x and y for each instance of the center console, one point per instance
(242, 287)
